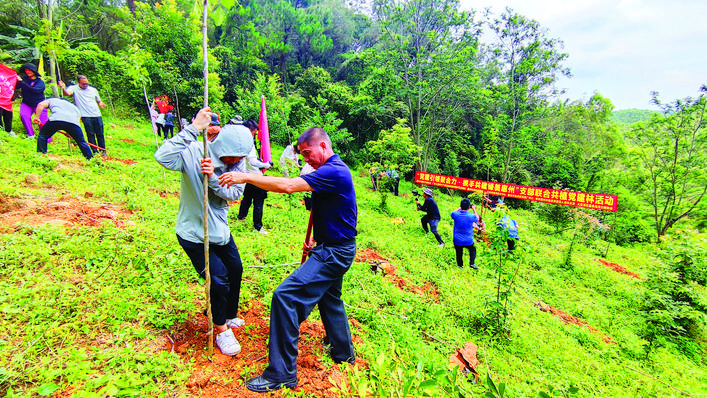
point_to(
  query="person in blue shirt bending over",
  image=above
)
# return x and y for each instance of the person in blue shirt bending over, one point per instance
(318, 280)
(464, 224)
(511, 226)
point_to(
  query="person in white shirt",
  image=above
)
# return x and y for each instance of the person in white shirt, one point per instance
(88, 101)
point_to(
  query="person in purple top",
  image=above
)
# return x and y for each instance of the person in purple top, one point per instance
(464, 225)
(32, 87)
(318, 281)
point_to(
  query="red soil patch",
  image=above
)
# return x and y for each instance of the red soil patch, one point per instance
(378, 263)
(366, 255)
(225, 376)
(127, 140)
(163, 194)
(619, 269)
(569, 319)
(65, 211)
(128, 162)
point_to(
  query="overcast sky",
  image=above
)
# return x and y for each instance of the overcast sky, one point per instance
(624, 49)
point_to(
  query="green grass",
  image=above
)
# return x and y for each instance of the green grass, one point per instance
(86, 309)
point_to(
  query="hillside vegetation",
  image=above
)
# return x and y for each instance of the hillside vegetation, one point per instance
(631, 116)
(94, 292)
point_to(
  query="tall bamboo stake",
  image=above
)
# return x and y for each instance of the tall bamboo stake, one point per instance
(207, 272)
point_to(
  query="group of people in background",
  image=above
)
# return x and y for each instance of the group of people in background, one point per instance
(162, 122)
(57, 114)
(466, 222)
(385, 176)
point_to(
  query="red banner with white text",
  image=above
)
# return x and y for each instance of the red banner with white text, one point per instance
(585, 200)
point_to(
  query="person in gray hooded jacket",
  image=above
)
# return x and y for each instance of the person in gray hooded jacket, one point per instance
(184, 153)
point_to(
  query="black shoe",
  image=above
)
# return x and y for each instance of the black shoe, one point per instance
(261, 384)
(473, 266)
(348, 360)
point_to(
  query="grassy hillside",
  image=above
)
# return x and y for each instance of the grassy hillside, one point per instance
(98, 299)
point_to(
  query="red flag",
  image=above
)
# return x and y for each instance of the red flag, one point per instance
(8, 79)
(163, 103)
(264, 134)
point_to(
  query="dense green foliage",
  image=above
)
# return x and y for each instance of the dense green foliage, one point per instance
(631, 116)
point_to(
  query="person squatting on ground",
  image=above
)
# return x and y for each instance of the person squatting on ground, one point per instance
(32, 89)
(65, 117)
(432, 217)
(252, 193)
(318, 281)
(464, 224)
(184, 153)
(88, 101)
(511, 226)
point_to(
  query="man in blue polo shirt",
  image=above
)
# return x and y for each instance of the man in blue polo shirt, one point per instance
(318, 281)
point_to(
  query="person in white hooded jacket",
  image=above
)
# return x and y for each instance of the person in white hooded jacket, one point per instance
(184, 153)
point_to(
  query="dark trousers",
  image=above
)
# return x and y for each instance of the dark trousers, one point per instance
(94, 132)
(316, 282)
(226, 272)
(168, 131)
(433, 226)
(460, 254)
(511, 244)
(394, 188)
(160, 129)
(74, 130)
(6, 119)
(256, 196)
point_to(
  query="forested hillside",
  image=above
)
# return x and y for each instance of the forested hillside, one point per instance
(630, 116)
(416, 85)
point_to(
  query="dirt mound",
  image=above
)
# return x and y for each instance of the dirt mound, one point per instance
(569, 319)
(619, 269)
(128, 162)
(366, 255)
(225, 376)
(65, 211)
(390, 273)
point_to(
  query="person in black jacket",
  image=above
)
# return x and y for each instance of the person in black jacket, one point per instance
(32, 87)
(432, 217)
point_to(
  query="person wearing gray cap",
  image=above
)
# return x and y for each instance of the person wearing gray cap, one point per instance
(432, 217)
(184, 153)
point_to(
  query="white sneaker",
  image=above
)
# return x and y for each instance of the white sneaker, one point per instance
(262, 231)
(12, 134)
(227, 343)
(235, 323)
